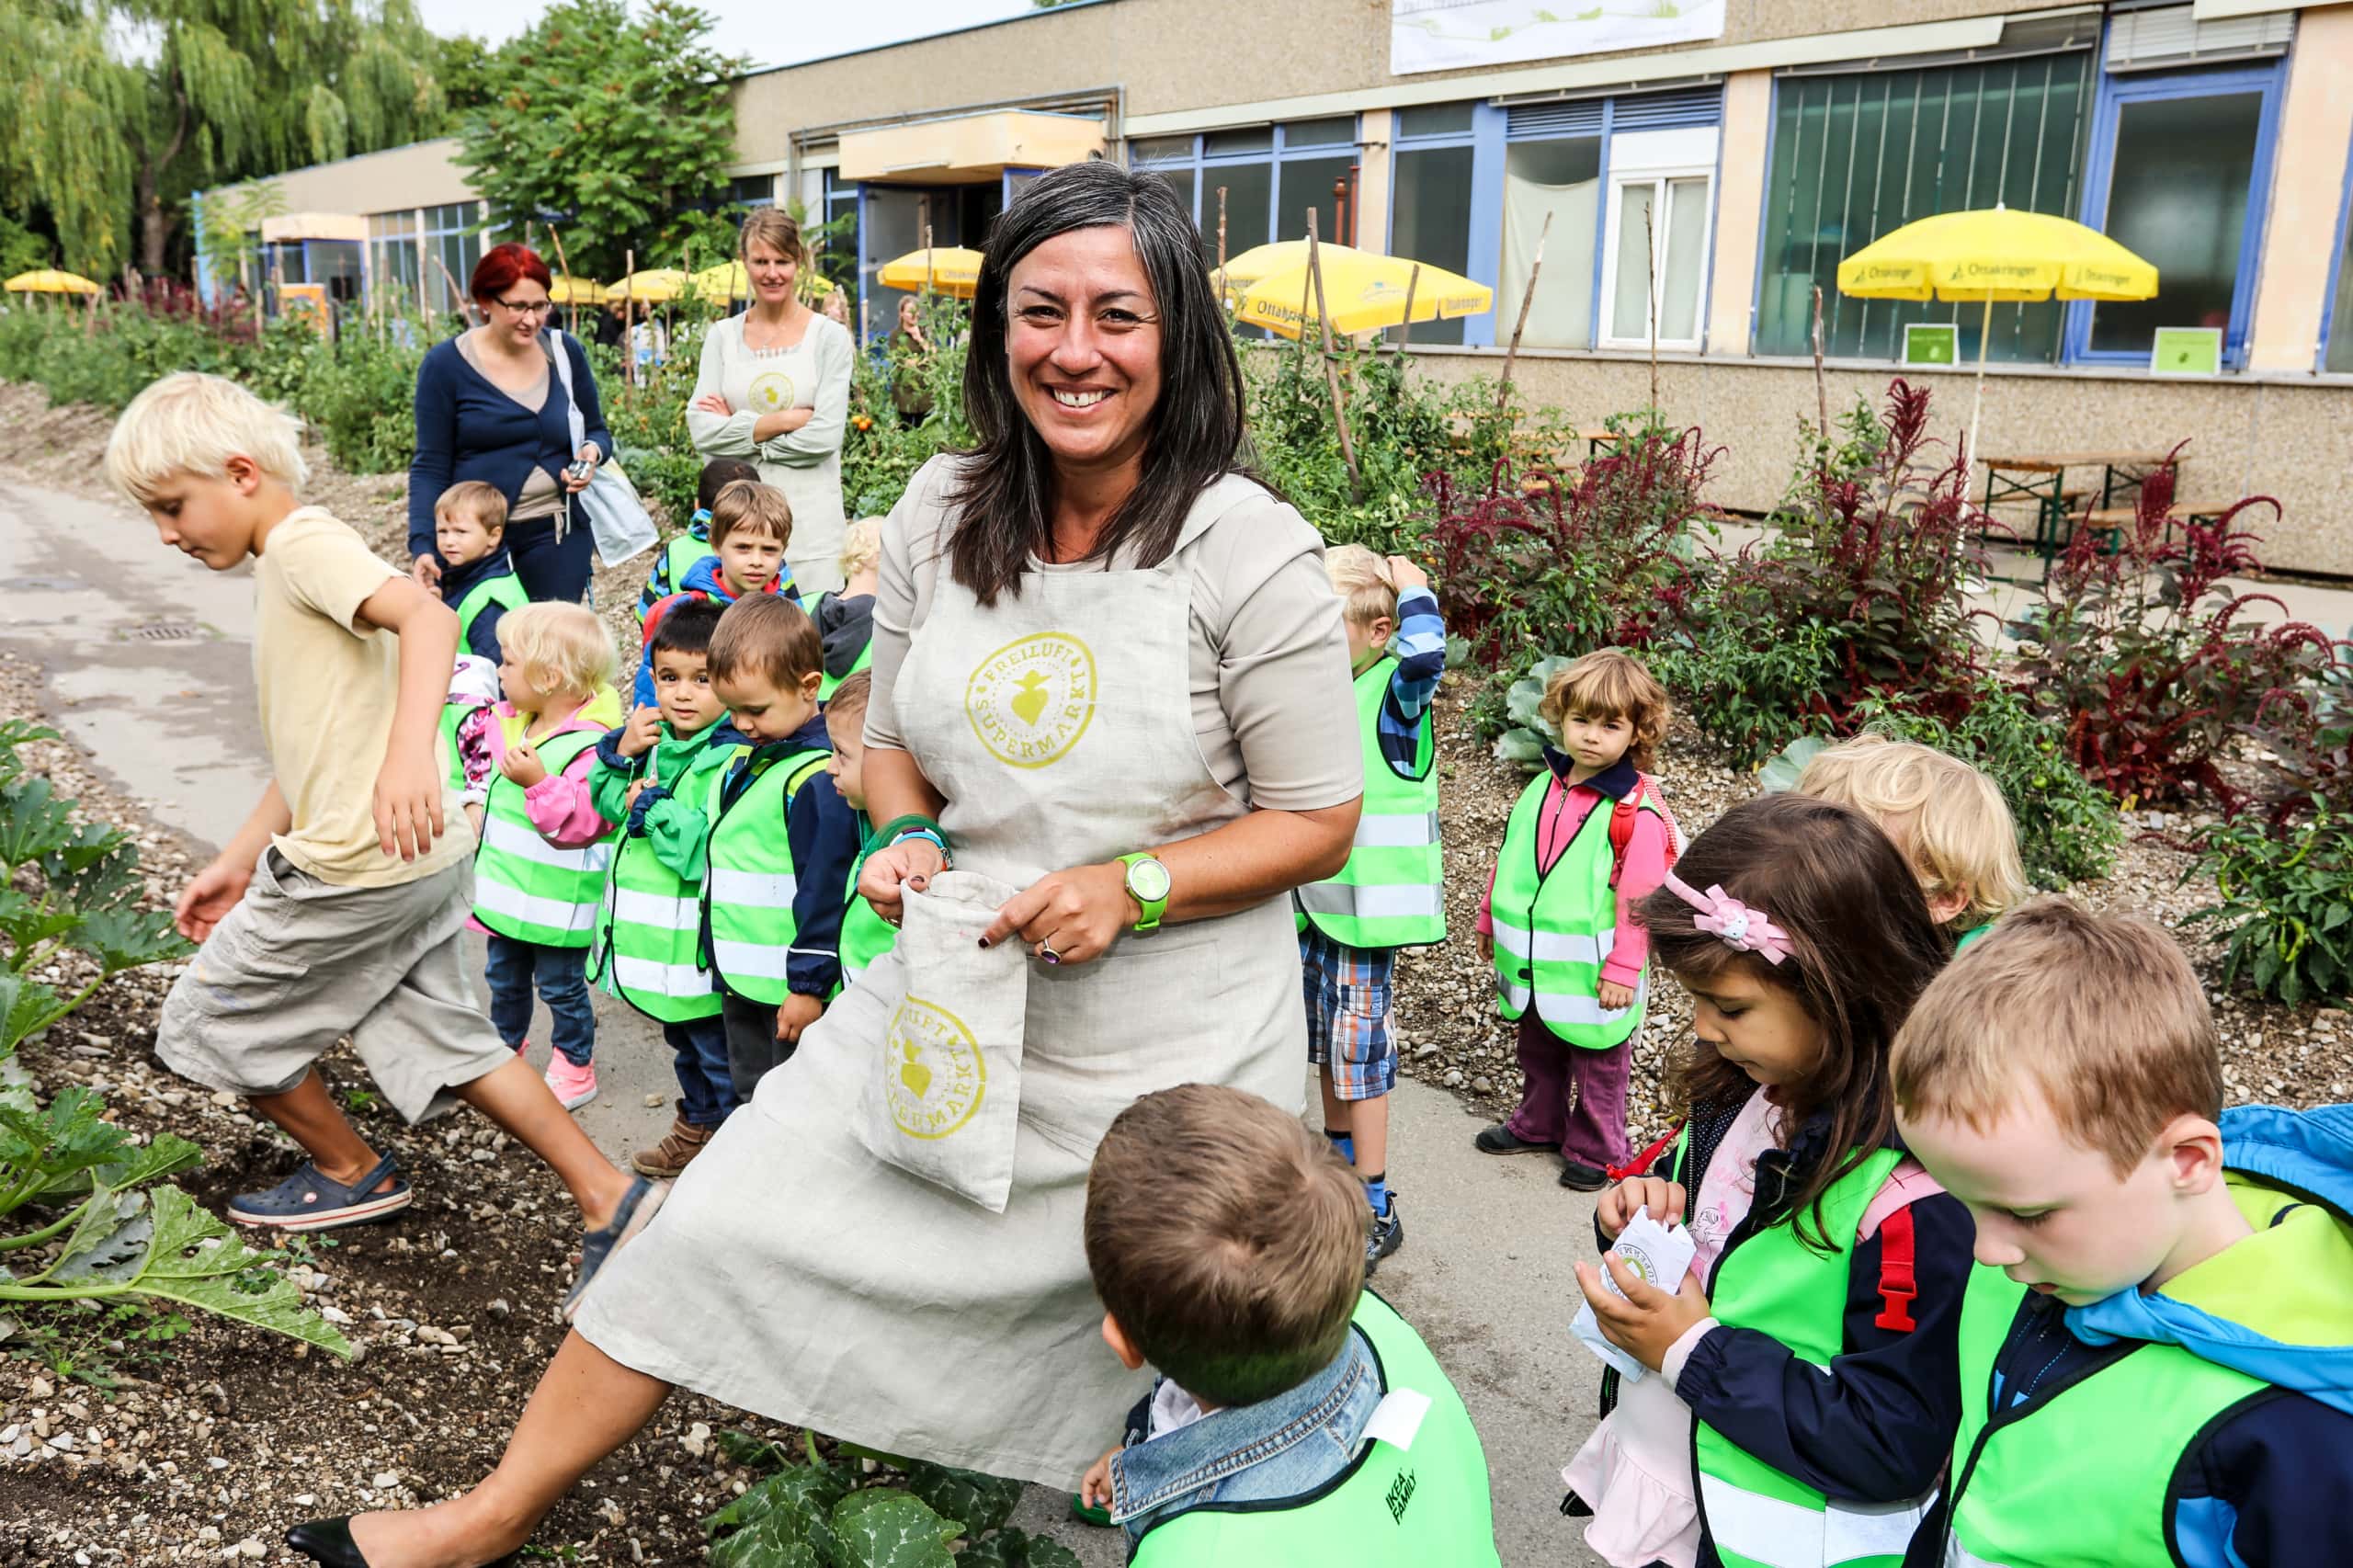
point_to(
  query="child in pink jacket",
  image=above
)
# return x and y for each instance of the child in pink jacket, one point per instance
(540, 869)
(1577, 1045)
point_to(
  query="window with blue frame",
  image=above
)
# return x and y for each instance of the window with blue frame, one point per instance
(2179, 170)
(838, 258)
(1265, 179)
(1433, 164)
(1858, 154)
(452, 235)
(2336, 321)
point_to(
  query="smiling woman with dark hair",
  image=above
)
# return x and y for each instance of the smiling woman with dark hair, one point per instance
(1110, 671)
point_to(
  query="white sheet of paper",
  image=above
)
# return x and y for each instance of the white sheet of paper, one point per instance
(1659, 1256)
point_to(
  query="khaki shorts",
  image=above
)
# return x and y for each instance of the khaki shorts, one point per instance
(298, 963)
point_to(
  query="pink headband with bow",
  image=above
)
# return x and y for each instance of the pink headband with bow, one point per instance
(1739, 927)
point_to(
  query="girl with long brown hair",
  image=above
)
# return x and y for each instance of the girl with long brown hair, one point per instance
(1806, 1385)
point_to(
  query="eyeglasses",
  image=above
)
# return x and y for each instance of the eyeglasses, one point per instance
(530, 308)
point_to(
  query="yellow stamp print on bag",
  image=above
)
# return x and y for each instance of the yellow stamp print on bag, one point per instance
(934, 1076)
(1031, 699)
(772, 390)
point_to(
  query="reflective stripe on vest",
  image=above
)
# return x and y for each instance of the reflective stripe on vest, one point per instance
(1424, 1503)
(526, 888)
(866, 936)
(648, 937)
(1389, 894)
(1554, 929)
(748, 891)
(2030, 1490)
(1758, 1516)
(504, 590)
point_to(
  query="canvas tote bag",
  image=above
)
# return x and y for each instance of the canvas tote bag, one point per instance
(944, 1098)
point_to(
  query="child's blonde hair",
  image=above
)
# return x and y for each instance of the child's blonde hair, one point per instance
(1361, 579)
(2102, 1013)
(563, 647)
(1947, 817)
(747, 505)
(485, 504)
(191, 422)
(862, 547)
(1606, 684)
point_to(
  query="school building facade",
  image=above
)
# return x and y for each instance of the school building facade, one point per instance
(1710, 181)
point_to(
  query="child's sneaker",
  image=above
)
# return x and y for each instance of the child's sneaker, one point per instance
(1501, 1140)
(674, 1152)
(574, 1086)
(1387, 1235)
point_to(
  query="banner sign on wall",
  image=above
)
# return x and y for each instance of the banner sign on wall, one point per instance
(1446, 35)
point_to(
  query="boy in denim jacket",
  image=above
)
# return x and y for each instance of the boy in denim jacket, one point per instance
(1296, 1418)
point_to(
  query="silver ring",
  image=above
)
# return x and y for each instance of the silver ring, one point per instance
(1047, 954)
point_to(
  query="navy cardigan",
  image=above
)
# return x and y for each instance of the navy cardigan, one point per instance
(467, 428)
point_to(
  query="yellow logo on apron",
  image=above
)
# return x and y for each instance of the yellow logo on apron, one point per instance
(1030, 700)
(934, 1078)
(772, 390)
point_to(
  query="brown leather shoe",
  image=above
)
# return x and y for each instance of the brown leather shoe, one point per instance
(674, 1152)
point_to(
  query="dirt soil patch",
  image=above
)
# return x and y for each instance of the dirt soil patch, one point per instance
(205, 1448)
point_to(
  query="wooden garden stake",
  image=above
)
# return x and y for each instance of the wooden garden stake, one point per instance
(571, 282)
(629, 315)
(1331, 373)
(1527, 298)
(1405, 327)
(1649, 260)
(1821, 386)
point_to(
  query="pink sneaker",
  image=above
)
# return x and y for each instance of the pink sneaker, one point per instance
(573, 1086)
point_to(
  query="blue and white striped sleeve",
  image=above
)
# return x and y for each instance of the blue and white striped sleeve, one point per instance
(1420, 648)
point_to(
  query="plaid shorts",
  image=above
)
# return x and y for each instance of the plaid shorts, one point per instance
(1349, 1003)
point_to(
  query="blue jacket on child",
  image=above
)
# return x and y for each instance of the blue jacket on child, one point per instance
(704, 581)
(2266, 1481)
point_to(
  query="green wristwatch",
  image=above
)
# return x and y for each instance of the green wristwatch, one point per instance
(1148, 885)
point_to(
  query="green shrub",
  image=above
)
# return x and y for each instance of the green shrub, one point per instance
(809, 1513)
(1750, 694)
(2286, 915)
(2067, 826)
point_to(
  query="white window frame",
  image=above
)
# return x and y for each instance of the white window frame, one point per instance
(1655, 158)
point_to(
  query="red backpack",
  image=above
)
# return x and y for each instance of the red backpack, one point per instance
(1622, 827)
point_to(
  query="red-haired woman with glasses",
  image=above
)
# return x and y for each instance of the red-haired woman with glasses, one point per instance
(491, 406)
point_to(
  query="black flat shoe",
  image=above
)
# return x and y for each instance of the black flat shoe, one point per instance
(1579, 1178)
(329, 1541)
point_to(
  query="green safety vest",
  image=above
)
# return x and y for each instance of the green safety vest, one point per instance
(866, 936)
(649, 934)
(1769, 1280)
(749, 884)
(1422, 1506)
(1553, 929)
(526, 888)
(1389, 894)
(832, 683)
(2081, 1478)
(680, 554)
(506, 590)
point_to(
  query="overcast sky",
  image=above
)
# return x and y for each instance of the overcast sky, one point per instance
(772, 32)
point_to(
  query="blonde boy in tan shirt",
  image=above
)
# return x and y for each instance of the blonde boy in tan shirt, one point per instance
(337, 907)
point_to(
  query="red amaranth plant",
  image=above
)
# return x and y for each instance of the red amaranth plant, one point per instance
(1538, 565)
(2149, 659)
(1877, 562)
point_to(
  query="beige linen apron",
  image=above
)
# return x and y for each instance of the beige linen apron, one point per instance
(795, 1275)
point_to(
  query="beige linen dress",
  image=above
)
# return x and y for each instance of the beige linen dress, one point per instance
(1100, 712)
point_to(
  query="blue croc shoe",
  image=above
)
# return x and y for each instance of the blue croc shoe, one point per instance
(310, 1201)
(636, 1211)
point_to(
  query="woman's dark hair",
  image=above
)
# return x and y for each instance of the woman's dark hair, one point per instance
(501, 266)
(1006, 492)
(1862, 948)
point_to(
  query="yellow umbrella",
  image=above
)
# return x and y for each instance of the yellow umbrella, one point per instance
(1362, 292)
(1995, 254)
(566, 290)
(949, 270)
(49, 280)
(728, 280)
(1259, 261)
(656, 284)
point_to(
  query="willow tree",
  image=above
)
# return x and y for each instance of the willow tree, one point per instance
(136, 103)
